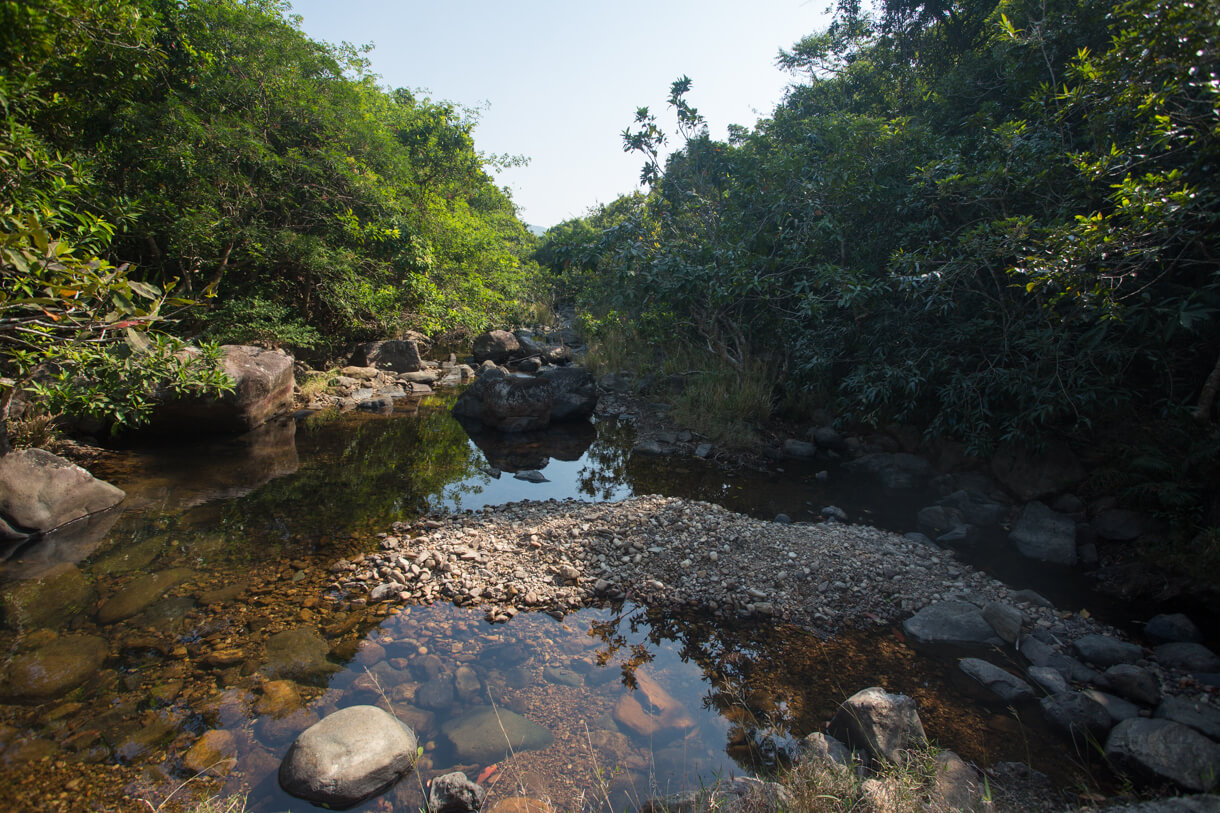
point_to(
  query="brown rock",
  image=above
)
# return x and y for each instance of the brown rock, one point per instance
(215, 751)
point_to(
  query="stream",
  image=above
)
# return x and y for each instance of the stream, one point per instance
(150, 620)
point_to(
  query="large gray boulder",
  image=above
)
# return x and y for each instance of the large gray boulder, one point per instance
(1043, 534)
(881, 724)
(398, 355)
(497, 345)
(517, 404)
(263, 381)
(950, 623)
(40, 492)
(1157, 750)
(1032, 475)
(348, 756)
(573, 392)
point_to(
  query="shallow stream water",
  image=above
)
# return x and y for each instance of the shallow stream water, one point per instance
(212, 582)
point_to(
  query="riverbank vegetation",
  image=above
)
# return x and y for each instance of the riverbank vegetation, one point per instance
(989, 220)
(207, 153)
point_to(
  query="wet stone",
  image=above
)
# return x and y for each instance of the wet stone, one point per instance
(297, 654)
(214, 752)
(436, 695)
(1076, 716)
(561, 675)
(53, 669)
(48, 601)
(140, 594)
(1134, 683)
(487, 735)
(455, 793)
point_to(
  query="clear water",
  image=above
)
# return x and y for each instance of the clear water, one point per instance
(254, 523)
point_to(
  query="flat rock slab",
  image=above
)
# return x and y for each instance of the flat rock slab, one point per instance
(487, 735)
(1157, 750)
(949, 623)
(348, 757)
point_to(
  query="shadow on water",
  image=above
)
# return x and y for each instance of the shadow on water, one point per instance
(178, 617)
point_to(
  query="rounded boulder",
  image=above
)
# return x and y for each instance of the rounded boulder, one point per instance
(348, 757)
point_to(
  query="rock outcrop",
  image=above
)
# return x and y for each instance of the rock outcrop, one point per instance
(263, 381)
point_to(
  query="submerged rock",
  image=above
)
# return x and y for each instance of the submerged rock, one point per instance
(48, 601)
(53, 669)
(297, 654)
(348, 757)
(455, 793)
(140, 594)
(487, 735)
(1046, 535)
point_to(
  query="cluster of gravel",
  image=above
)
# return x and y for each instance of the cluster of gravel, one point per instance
(671, 553)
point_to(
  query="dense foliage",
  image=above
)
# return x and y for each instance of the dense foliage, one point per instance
(985, 218)
(991, 219)
(213, 152)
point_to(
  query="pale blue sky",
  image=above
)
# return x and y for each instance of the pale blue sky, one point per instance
(559, 81)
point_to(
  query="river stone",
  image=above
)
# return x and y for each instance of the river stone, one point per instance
(882, 724)
(53, 669)
(348, 756)
(1169, 628)
(1199, 716)
(1032, 475)
(398, 355)
(1157, 750)
(573, 392)
(497, 345)
(40, 491)
(140, 594)
(263, 388)
(1134, 683)
(737, 795)
(1007, 687)
(948, 622)
(1043, 534)
(297, 654)
(825, 748)
(1005, 619)
(48, 601)
(1105, 651)
(956, 786)
(516, 404)
(1077, 716)
(455, 793)
(1118, 708)
(562, 675)
(975, 509)
(937, 520)
(1048, 678)
(279, 698)
(215, 752)
(436, 694)
(489, 734)
(1187, 656)
(128, 558)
